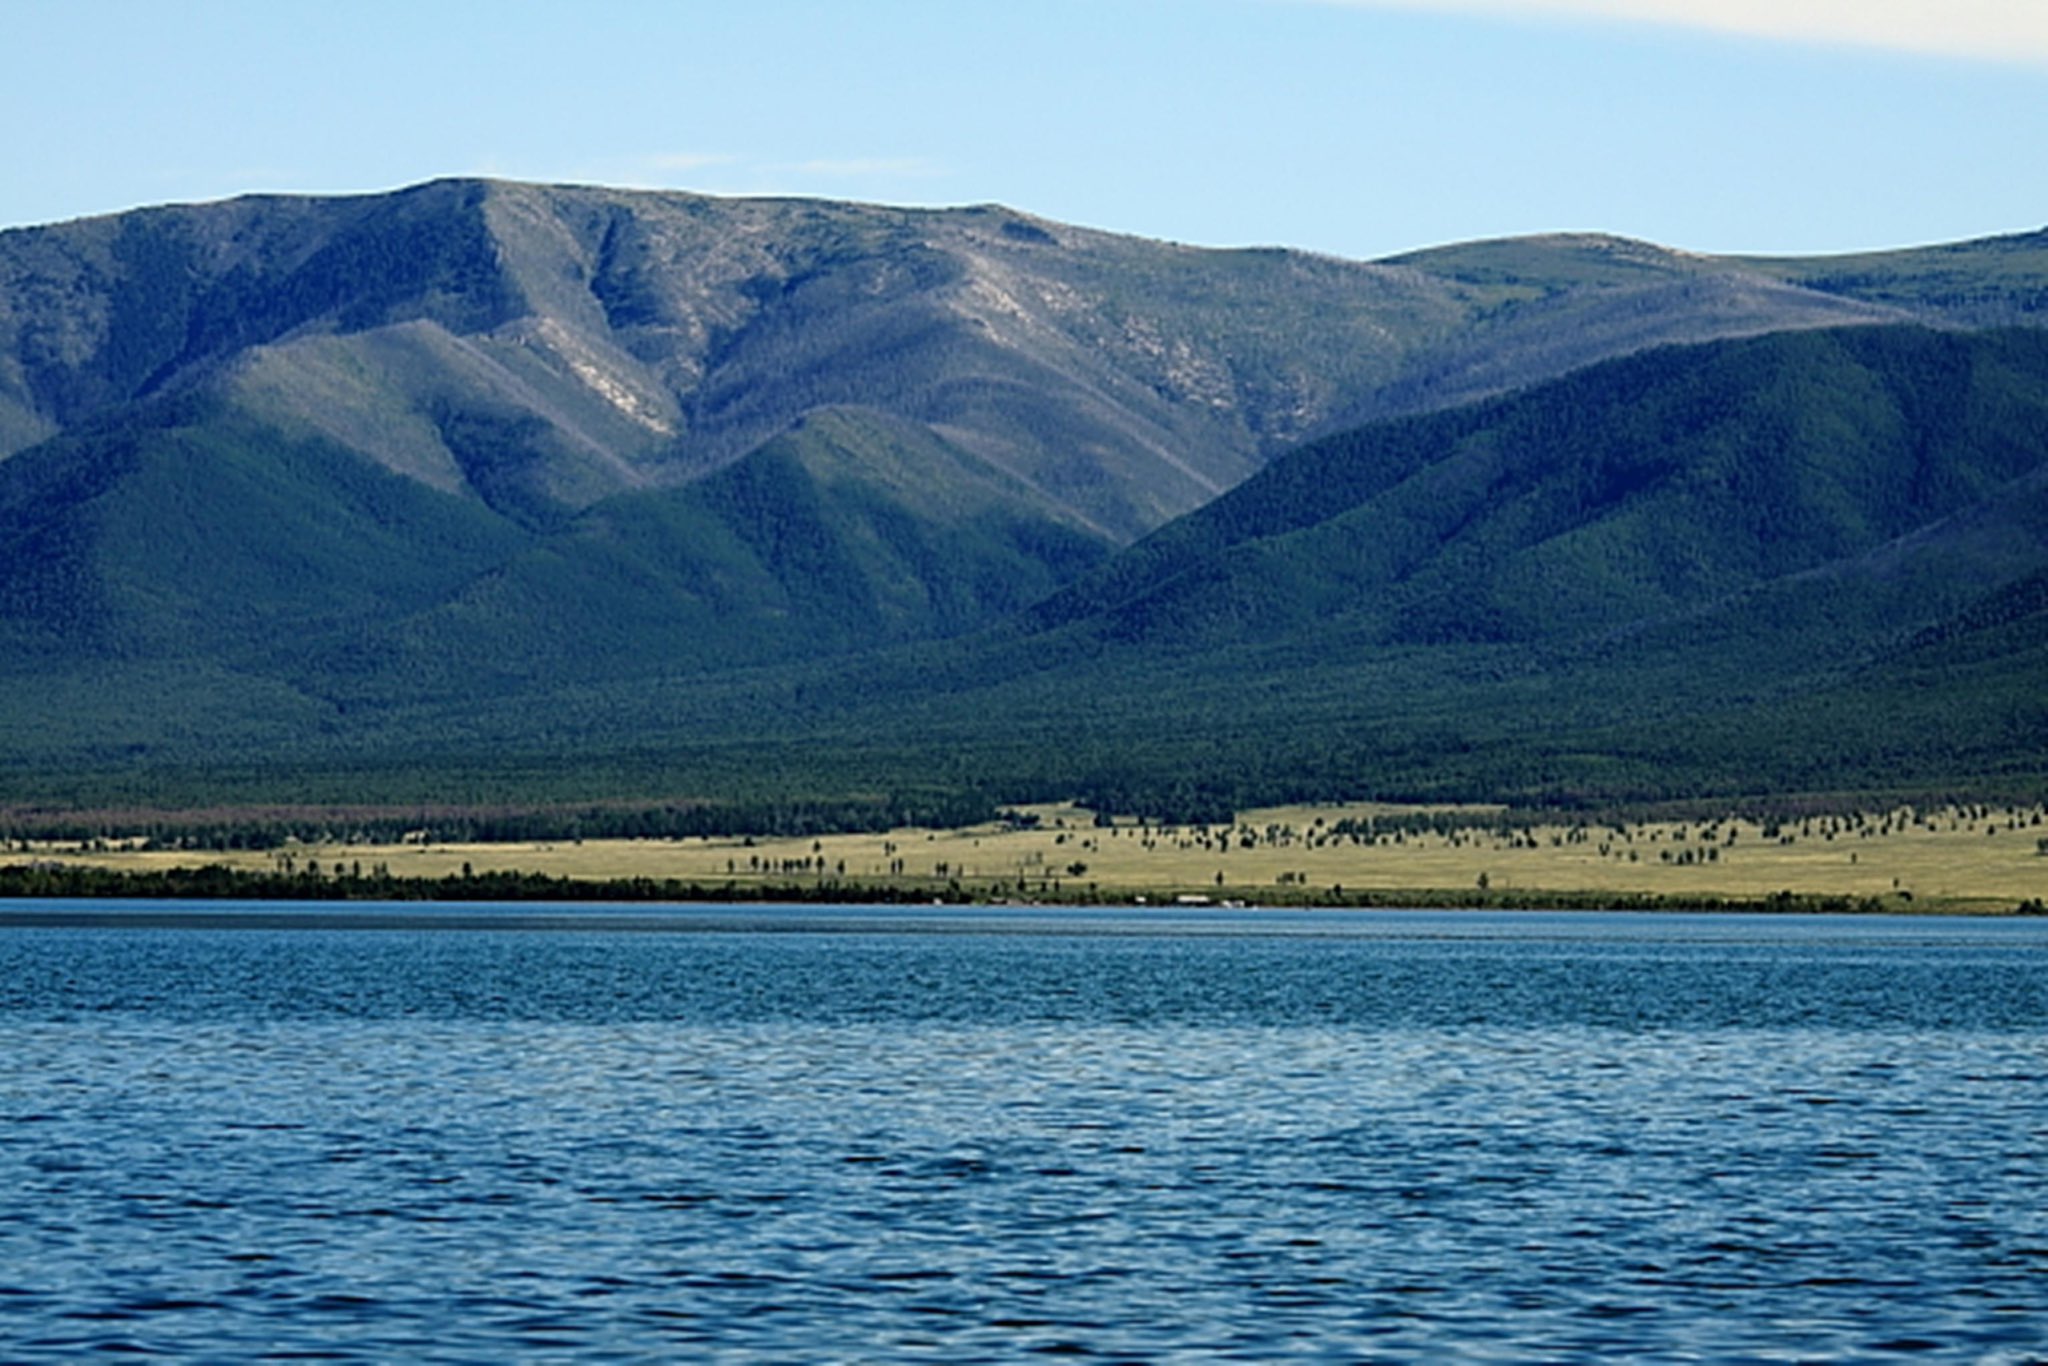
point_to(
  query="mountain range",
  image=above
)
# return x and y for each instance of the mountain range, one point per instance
(490, 487)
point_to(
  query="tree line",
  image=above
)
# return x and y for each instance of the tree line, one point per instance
(772, 819)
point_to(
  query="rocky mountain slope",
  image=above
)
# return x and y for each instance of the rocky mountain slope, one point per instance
(540, 347)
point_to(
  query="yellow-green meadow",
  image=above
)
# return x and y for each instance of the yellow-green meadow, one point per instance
(1952, 858)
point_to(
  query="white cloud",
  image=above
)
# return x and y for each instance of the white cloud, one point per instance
(2001, 30)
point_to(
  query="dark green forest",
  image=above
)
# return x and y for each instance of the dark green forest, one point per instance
(1804, 563)
(418, 503)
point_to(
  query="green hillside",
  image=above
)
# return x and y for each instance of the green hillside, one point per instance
(1992, 282)
(196, 533)
(1622, 495)
(1803, 562)
(494, 492)
(543, 348)
(1806, 562)
(851, 531)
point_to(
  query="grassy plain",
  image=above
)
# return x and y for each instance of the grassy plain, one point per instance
(1953, 859)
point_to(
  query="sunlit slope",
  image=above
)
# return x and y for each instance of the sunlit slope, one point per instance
(541, 347)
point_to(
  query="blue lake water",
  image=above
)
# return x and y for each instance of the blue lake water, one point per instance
(474, 1134)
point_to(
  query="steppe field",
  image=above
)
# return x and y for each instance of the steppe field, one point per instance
(1955, 858)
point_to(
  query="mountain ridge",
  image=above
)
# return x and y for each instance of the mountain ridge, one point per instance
(624, 318)
(486, 464)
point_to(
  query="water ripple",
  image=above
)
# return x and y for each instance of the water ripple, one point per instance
(615, 1146)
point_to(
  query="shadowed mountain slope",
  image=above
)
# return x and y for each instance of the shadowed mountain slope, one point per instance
(534, 355)
(1700, 569)
(851, 531)
(205, 537)
(1628, 492)
(483, 468)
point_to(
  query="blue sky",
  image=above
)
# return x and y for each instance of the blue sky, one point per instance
(1356, 127)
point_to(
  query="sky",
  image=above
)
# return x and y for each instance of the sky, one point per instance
(1359, 128)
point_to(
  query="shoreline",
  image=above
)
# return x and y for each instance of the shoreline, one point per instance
(1947, 860)
(217, 882)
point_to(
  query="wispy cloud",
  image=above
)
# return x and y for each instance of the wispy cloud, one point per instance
(686, 161)
(1999, 30)
(720, 173)
(864, 166)
(633, 170)
(886, 178)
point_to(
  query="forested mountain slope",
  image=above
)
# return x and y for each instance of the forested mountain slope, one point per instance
(541, 347)
(480, 468)
(1801, 561)
(1627, 493)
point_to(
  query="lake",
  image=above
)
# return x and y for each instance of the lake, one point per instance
(619, 1134)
